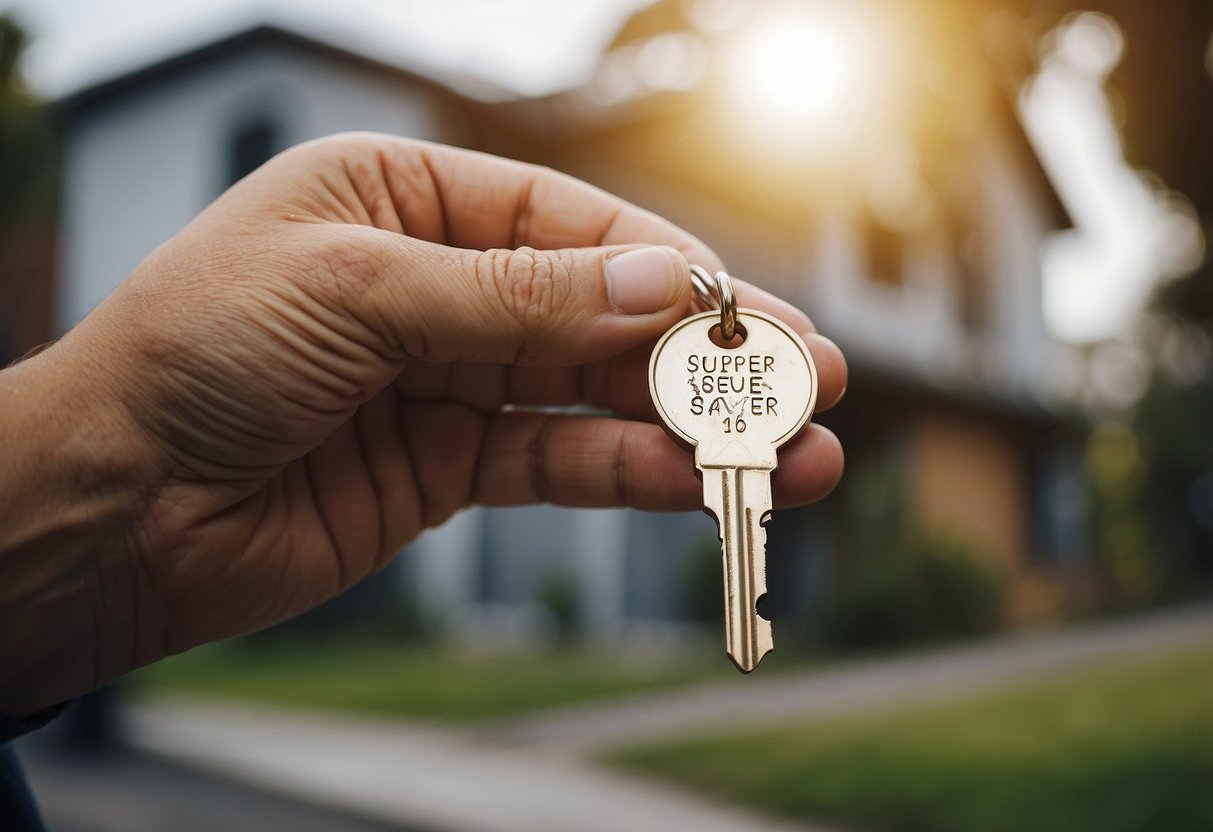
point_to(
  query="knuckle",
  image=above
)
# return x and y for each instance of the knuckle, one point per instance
(334, 145)
(532, 286)
(344, 270)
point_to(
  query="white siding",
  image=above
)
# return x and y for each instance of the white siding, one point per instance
(138, 170)
(1020, 337)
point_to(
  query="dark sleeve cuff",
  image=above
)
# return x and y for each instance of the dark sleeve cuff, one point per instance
(11, 728)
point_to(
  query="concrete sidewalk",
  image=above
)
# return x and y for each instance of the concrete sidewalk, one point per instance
(423, 778)
(533, 774)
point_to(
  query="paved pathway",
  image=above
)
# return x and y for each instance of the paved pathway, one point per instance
(858, 685)
(123, 791)
(533, 774)
(429, 778)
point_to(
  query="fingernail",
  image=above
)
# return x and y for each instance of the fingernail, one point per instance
(641, 281)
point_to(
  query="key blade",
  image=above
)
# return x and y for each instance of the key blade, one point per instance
(740, 501)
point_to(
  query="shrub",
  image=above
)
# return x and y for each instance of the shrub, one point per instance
(928, 588)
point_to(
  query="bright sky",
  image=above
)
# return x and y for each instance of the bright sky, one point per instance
(530, 46)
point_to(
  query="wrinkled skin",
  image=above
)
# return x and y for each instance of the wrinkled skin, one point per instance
(336, 355)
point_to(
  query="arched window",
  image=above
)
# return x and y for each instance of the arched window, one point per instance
(963, 213)
(250, 145)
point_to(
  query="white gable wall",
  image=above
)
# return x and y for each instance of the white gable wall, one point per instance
(140, 168)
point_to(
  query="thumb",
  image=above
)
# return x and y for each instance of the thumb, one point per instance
(529, 306)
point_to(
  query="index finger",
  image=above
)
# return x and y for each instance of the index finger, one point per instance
(472, 200)
(490, 202)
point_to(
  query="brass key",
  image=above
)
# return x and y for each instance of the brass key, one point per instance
(735, 402)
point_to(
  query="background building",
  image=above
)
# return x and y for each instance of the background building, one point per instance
(918, 253)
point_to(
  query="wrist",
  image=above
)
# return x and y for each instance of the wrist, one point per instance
(75, 607)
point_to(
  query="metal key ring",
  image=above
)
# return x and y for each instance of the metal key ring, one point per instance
(705, 287)
(716, 293)
(728, 306)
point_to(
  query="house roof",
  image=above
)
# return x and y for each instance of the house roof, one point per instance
(174, 66)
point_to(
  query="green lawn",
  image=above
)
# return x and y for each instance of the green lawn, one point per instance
(390, 680)
(1127, 747)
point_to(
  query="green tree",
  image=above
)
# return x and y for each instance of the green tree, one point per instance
(28, 144)
(1174, 423)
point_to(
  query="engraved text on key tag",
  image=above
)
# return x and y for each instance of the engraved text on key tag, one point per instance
(736, 405)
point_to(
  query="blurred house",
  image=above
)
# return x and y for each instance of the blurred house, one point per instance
(908, 222)
(920, 257)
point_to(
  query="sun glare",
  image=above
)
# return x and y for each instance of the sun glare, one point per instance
(801, 70)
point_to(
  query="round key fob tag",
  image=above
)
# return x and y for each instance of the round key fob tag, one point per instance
(733, 404)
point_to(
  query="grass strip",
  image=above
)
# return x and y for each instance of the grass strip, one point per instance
(394, 681)
(1121, 748)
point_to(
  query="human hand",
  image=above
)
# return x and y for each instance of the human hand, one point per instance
(338, 354)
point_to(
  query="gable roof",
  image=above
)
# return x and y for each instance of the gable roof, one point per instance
(177, 65)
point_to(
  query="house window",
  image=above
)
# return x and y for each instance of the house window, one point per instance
(884, 250)
(972, 291)
(250, 145)
(1060, 508)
